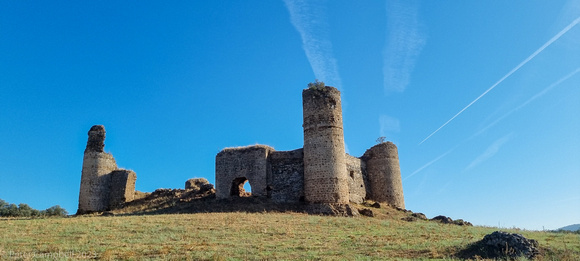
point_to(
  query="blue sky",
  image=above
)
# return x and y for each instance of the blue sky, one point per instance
(176, 83)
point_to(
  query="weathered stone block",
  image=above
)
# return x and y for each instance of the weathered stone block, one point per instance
(199, 185)
(122, 187)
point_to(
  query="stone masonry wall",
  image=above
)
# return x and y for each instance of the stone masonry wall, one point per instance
(103, 186)
(245, 162)
(95, 179)
(286, 184)
(122, 187)
(325, 178)
(357, 179)
(384, 173)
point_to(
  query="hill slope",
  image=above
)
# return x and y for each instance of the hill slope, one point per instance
(242, 235)
(572, 228)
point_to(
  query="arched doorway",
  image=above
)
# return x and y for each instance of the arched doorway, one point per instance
(241, 187)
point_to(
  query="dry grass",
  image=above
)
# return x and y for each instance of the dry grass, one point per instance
(250, 236)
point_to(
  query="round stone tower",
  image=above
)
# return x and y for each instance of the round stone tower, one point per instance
(382, 161)
(95, 179)
(325, 177)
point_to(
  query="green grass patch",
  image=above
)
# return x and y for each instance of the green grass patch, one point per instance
(250, 236)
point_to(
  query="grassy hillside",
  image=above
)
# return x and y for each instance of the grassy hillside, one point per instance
(251, 236)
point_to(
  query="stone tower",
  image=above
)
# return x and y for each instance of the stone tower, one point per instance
(325, 177)
(384, 173)
(95, 178)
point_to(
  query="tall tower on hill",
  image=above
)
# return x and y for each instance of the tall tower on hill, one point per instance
(95, 179)
(103, 185)
(325, 177)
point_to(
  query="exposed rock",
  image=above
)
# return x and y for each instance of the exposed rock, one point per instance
(366, 212)
(414, 217)
(376, 205)
(403, 210)
(502, 245)
(461, 222)
(332, 209)
(419, 216)
(448, 220)
(200, 185)
(163, 192)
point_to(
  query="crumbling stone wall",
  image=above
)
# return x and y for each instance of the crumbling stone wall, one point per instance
(325, 178)
(235, 165)
(286, 184)
(320, 173)
(357, 179)
(95, 179)
(384, 174)
(199, 185)
(100, 189)
(122, 187)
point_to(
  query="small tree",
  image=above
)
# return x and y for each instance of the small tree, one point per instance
(55, 211)
(3, 208)
(316, 85)
(11, 210)
(24, 210)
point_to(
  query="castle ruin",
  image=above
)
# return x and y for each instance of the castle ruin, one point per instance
(103, 185)
(321, 172)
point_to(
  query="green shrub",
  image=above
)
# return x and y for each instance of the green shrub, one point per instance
(55, 211)
(24, 210)
(316, 85)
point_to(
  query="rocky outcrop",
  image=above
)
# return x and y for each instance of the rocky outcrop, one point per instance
(502, 245)
(448, 220)
(366, 212)
(199, 185)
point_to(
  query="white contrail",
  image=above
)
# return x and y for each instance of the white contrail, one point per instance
(403, 46)
(556, 37)
(538, 95)
(310, 22)
(490, 151)
(429, 163)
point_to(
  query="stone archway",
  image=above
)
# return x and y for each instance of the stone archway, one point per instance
(237, 189)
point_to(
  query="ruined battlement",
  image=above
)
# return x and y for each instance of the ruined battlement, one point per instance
(239, 165)
(325, 179)
(384, 173)
(319, 173)
(103, 185)
(96, 141)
